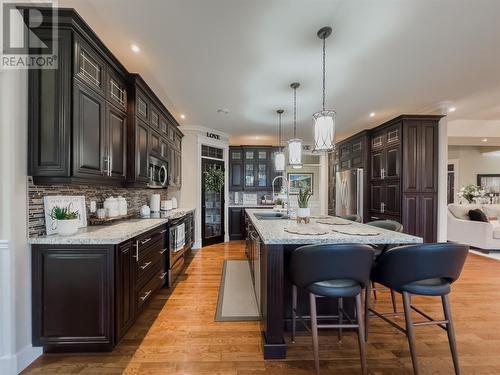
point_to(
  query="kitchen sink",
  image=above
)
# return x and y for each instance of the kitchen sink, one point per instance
(270, 216)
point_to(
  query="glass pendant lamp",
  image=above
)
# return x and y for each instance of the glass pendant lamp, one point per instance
(295, 144)
(279, 156)
(324, 120)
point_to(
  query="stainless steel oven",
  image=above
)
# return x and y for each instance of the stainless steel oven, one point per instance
(158, 173)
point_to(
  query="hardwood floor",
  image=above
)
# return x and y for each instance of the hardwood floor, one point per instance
(177, 333)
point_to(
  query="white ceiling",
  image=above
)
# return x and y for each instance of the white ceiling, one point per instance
(386, 56)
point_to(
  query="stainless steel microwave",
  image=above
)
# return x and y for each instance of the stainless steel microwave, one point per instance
(158, 173)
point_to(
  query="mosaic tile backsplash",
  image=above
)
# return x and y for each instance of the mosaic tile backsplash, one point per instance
(135, 198)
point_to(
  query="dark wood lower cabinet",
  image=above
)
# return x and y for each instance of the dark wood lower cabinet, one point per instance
(73, 289)
(86, 297)
(420, 215)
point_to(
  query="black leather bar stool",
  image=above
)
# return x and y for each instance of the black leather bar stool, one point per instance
(426, 270)
(379, 249)
(352, 217)
(341, 271)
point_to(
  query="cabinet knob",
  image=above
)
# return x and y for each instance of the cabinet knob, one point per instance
(146, 265)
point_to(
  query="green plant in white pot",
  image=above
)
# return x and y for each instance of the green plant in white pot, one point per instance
(66, 220)
(303, 212)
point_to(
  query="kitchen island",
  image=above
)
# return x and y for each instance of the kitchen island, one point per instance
(269, 245)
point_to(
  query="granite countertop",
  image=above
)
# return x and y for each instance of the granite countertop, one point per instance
(110, 234)
(272, 232)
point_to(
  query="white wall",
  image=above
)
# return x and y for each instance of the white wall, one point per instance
(471, 162)
(16, 350)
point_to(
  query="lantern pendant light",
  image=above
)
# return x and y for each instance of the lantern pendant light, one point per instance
(279, 156)
(324, 121)
(295, 144)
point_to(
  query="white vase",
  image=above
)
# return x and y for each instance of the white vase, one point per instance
(303, 212)
(67, 227)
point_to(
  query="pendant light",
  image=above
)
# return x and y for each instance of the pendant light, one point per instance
(279, 156)
(295, 144)
(324, 121)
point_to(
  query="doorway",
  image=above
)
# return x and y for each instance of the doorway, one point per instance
(212, 206)
(452, 183)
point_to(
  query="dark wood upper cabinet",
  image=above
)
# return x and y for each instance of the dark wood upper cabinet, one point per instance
(251, 168)
(117, 141)
(49, 101)
(84, 116)
(88, 133)
(149, 126)
(403, 177)
(142, 152)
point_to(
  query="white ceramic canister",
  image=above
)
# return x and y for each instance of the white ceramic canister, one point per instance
(111, 207)
(122, 206)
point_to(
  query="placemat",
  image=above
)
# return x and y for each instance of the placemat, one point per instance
(333, 221)
(306, 229)
(356, 231)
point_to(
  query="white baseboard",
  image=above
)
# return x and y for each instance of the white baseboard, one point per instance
(8, 365)
(15, 364)
(196, 245)
(26, 356)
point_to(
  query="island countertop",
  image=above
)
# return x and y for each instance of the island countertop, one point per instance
(272, 232)
(111, 234)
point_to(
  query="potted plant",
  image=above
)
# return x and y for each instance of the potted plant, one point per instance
(66, 220)
(470, 192)
(303, 212)
(214, 179)
(278, 203)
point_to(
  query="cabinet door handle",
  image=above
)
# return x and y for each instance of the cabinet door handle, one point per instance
(162, 251)
(163, 231)
(110, 169)
(136, 256)
(382, 207)
(162, 276)
(145, 266)
(146, 241)
(146, 295)
(382, 173)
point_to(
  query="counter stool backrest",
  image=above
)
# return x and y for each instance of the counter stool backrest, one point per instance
(387, 224)
(314, 263)
(403, 265)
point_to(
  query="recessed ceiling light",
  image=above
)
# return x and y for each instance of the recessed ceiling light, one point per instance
(484, 140)
(372, 114)
(183, 116)
(452, 109)
(135, 48)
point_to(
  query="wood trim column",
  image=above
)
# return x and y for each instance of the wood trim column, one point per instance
(272, 284)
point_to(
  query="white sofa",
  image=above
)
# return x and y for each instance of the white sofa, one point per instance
(482, 235)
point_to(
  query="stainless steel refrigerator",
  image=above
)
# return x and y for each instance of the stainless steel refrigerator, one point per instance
(349, 192)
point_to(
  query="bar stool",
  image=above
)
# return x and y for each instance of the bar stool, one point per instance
(352, 217)
(341, 271)
(426, 270)
(379, 249)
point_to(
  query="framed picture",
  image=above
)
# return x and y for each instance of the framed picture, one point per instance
(489, 182)
(300, 181)
(77, 204)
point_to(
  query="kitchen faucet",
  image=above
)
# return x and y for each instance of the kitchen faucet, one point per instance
(287, 193)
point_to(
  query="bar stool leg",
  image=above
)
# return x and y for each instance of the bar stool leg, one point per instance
(451, 332)
(393, 298)
(294, 311)
(341, 317)
(314, 330)
(361, 334)
(410, 334)
(367, 306)
(374, 291)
